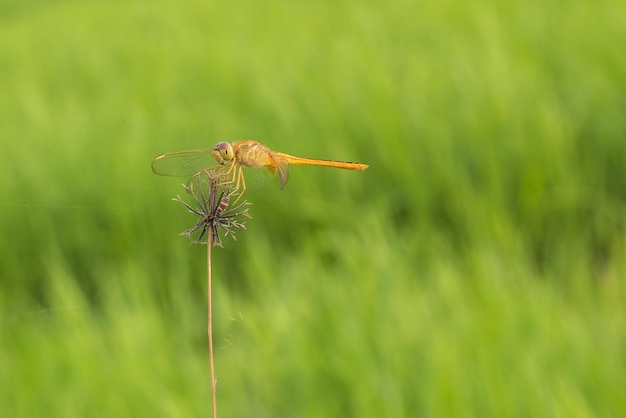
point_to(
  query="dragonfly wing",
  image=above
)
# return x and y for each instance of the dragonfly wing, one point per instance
(283, 170)
(257, 178)
(219, 173)
(254, 179)
(183, 163)
(200, 183)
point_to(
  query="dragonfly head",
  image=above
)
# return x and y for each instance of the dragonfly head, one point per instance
(223, 152)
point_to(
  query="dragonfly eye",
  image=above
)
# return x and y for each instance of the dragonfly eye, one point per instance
(223, 152)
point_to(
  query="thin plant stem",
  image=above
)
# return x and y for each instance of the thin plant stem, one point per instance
(210, 322)
(214, 210)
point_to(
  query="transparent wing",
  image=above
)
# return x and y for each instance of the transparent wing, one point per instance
(283, 169)
(258, 178)
(254, 179)
(183, 163)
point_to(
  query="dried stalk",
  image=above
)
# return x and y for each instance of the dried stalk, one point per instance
(213, 213)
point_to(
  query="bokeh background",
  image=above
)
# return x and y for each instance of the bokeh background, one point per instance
(476, 269)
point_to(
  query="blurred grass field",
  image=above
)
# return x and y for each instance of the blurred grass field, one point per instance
(476, 269)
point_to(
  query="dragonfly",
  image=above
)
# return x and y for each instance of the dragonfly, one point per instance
(241, 165)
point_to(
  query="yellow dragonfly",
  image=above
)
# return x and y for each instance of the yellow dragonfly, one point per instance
(239, 164)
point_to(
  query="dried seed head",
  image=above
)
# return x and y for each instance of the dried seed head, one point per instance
(213, 209)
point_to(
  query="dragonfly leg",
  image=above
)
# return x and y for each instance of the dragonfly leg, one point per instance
(221, 176)
(232, 170)
(240, 186)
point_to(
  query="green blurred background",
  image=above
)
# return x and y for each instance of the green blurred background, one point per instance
(476, 269)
